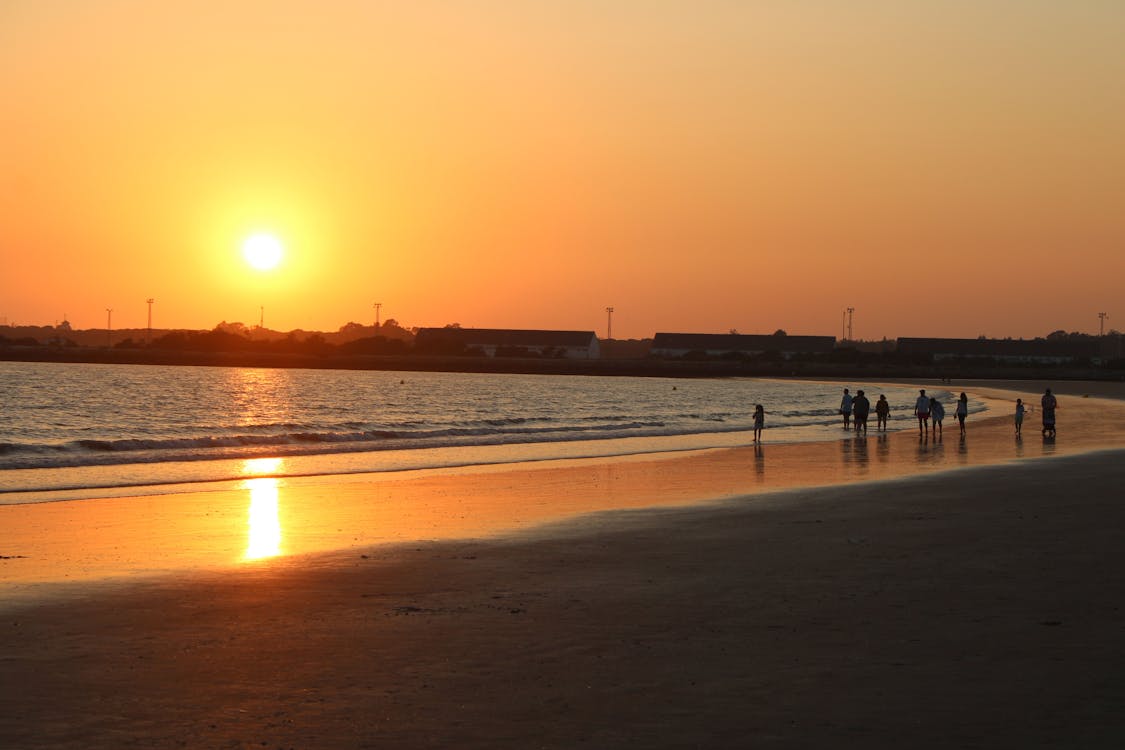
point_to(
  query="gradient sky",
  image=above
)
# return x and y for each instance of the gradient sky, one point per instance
(946, 168)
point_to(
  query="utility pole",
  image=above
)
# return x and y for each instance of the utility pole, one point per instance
(609, 323)
(108, 326)
(1101, 323)
(850, 311)
(262, 318)
(148, 336)
(378, 306)
(844, 326)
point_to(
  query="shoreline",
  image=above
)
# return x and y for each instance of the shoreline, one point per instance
(859, 594)
(215, 526)
(137, 479)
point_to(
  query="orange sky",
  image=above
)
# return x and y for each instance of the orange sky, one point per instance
(946, 168)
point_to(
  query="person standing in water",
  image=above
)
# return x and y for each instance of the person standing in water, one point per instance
(882, 411)
(759, 422)
(922, 411)
(862, 408)
(1049, 404)
(962, 411)
(846, 408)
(937, 414)
(1019, 416)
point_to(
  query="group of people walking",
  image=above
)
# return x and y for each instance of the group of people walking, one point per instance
(929, 411)
(857, 408)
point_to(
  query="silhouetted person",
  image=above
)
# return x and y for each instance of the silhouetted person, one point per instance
(861, 407)
(922, 411)
(962, 411)
(1049, 404)
(759, 421)
(846, 408)
(882, 411)
(937, 414)
(1019, 416)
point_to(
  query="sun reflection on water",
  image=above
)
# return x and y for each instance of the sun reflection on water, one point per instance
(263, 523)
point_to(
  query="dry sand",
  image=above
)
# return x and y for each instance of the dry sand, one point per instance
(865, 594)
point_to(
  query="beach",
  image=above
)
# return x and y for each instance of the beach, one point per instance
(886, 592)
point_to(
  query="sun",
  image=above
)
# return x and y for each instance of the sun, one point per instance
(262, 251)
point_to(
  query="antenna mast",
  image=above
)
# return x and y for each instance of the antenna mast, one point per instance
(148, 337)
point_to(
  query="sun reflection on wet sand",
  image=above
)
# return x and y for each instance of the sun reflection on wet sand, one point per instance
(260, 467)
(263, 523)
(263, 528)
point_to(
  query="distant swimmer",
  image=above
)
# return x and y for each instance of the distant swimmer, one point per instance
(882, 411)
(846, 408)
(861, 407)
(922, 411)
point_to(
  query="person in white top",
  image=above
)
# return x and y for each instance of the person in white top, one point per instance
(922, 411)
(962, 411)
(846, 408)
(937, 414)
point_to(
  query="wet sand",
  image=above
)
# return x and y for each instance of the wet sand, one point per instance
(856, 594)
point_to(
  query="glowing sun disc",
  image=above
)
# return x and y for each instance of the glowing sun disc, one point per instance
(262, 251)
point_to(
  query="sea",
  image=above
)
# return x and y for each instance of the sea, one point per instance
(73, 431)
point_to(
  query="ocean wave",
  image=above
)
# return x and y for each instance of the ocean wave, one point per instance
(90, 452)
(200, 416)
(100, 451)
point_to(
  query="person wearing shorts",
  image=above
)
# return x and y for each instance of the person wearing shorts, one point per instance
(937, 414)
(922, 411)
(962, 411)
(882, 411)
(862, 408)
(846, 408)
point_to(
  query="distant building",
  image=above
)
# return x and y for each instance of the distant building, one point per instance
(507, 342)
(1039, 351)
(670, 345)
